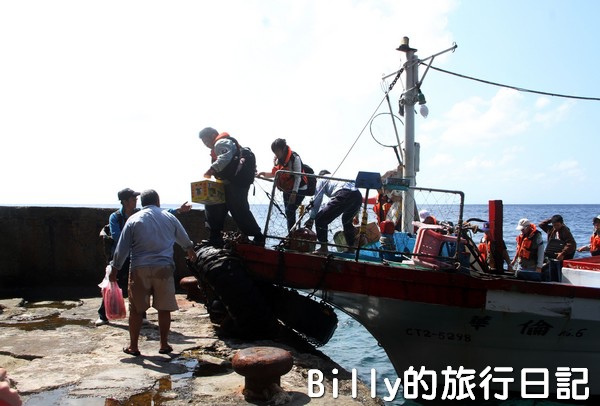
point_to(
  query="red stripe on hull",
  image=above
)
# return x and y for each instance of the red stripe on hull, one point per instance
(304, 271)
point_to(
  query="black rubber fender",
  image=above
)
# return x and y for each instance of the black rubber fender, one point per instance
(249, 313)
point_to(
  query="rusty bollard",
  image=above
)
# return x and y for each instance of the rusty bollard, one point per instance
(190, 285)
(262, 368)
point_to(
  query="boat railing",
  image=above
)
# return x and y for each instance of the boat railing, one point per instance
(446, 206)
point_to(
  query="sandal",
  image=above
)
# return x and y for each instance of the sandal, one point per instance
(166, 350)
(129, 351)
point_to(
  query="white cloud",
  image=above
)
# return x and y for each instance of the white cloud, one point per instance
(479, 121)
(555, 115)
(492, 142)
(542, 102)
(568, 170)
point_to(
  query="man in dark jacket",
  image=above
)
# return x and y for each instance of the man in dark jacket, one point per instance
(237, 174)
(561, 244)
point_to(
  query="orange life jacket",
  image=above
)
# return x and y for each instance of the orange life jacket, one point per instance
(381, 210)
(595, 243)
(483, 248)
(285, 181)
(526, 244)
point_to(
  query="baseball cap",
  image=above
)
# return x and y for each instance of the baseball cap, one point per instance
(485, 226)
(126, 194)
(324, 172)
(596, 219)
(423, 214)
(522, 224)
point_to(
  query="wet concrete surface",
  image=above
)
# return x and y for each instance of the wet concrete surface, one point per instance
(57, 356)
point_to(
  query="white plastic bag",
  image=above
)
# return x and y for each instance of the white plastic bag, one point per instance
(106, 281)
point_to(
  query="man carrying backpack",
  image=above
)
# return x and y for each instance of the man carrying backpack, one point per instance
(116, 222)
(236, 167)
(294, 186)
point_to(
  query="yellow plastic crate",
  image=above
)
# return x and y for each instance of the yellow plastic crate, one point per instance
(208, 192)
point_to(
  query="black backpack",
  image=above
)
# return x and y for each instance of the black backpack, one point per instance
(244, 175)
(242, 168)
(311, 181)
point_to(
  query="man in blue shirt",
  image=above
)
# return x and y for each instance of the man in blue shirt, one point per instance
(344, 200)
(148, 238)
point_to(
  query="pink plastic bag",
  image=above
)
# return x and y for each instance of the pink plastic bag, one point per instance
(113, 301)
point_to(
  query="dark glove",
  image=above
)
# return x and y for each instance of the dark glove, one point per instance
(309, 223)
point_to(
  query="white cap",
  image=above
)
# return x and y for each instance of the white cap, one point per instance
(523, 223)
(423, 214)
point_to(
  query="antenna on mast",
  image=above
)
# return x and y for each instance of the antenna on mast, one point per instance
(408, 99)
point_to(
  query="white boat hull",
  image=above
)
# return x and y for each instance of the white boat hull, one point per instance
(581, 277)
(514, 330)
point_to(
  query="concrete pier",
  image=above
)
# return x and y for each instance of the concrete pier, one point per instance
(55, 355)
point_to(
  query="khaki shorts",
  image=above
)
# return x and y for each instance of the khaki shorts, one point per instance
(155, 281)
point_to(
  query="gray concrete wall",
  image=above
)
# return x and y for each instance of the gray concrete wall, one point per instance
(57, 251)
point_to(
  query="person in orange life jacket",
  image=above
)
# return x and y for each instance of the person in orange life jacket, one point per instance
(382, 207)
(594, 245)
(292, 185)
(530, 248)
(344, 199)
(225, 161)
(485, 250)
(116, 222)
(426, 217)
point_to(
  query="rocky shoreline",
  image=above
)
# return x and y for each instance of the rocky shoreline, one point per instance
(55, 355)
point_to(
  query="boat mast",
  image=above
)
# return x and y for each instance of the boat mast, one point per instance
(409, 99)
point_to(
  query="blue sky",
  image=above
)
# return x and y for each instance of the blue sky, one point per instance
(97, 96)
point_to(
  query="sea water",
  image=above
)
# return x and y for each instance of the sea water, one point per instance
(352, 346)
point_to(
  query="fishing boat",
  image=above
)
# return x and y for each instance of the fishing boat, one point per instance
(430, 301)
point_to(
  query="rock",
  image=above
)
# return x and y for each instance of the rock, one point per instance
(75, 362)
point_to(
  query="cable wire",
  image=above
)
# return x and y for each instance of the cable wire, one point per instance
(520, 89)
